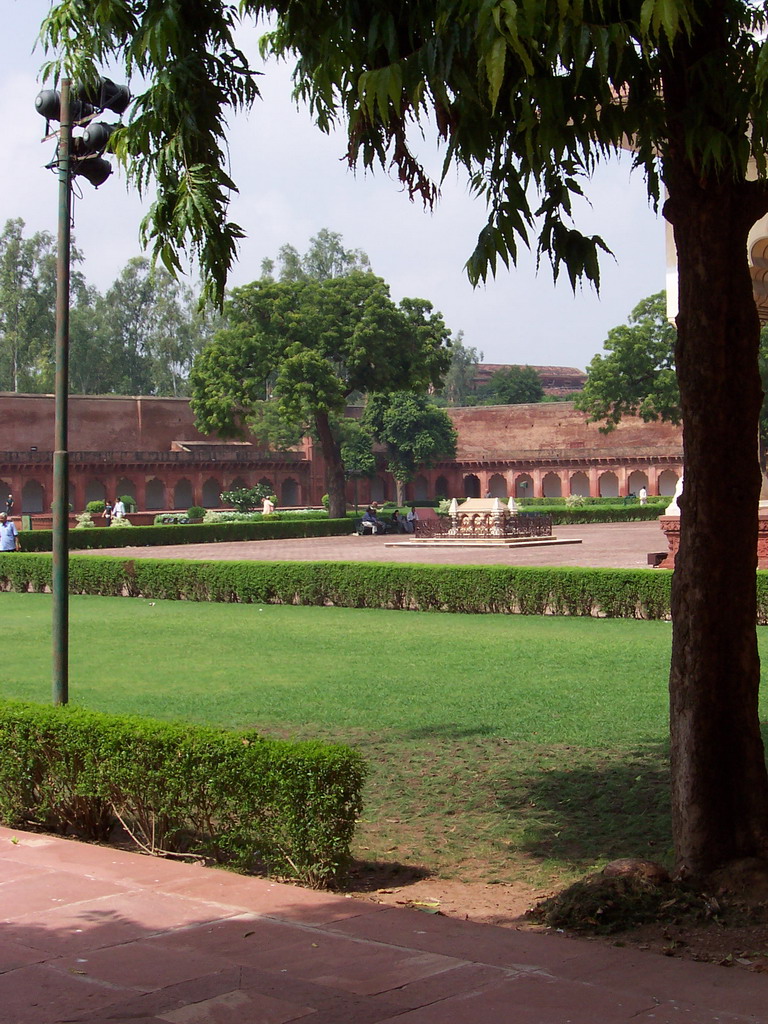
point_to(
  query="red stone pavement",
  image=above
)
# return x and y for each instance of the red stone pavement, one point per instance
(621, 545)
(90, 933)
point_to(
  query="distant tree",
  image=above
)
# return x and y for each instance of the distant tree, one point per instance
(325, 258)
(149, 329)
(414, 431)
(357, 453)
(512, 385)
(459, 382)
(310, 344)
(27, 305)
(636, 377)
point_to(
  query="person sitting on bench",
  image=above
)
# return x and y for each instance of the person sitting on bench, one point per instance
(370, 522)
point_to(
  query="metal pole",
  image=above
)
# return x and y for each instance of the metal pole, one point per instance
(61, 454)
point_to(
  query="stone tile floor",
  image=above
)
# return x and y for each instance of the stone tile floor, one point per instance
(617, 545)
(94, 934)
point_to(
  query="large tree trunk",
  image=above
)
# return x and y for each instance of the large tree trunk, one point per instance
(719, 779)
(335, 481)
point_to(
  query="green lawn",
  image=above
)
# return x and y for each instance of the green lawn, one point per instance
(500, 746)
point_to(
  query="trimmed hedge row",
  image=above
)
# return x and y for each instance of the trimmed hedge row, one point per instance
(599, 514)
(232, 797)
(615, 593)
(654, 499)
(192, 533)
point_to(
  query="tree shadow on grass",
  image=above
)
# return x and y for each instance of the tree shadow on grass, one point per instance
(592, 807)
(448, 731)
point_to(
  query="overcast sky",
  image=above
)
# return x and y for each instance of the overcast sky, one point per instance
(293, 182)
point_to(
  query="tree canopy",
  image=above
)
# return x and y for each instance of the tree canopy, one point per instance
(309, 345)
(413, 430)
(459, 383)
(512, 385)
(140, 337)
(27, 303)
(636, 376)
(325, 258)
(528, 97)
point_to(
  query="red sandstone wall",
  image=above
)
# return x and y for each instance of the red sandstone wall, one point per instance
(103, 423)
(117, 423)
(491, 432)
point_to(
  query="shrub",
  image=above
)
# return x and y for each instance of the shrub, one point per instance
(95, 507)
(129, 501)
(245, 499)
(233, 797)
(167, 518)
(84, 521)
(613, 593)
(196, 512)
(180, 532)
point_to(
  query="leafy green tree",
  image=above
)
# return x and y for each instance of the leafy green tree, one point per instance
(357, 453)
(27, 305)
(512, 385)
(636, 377)
(459, 384)
(414, 431)
(148, 328)
(311, 344)
(325, 258)
(528, 98)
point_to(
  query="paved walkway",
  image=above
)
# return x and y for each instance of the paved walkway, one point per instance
(617, 545)
(94, 934)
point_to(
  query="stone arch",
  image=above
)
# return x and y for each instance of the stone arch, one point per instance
(95, 491)
(637, 479)
(32, 497)
(266, 482)
(125, 486)
(182, 494)
(289, 492)
(378, 489)
(442, 487)
(608, 484)
(667, 482)
(471, 486)
(497, 485)
(238, 484)
(211, 492)
(579, 484)
(552, 486)
(5, 490)
(154, 496)
(420, 488)
(524, 486)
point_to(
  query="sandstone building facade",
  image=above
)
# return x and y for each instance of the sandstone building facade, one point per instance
(150, 449)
